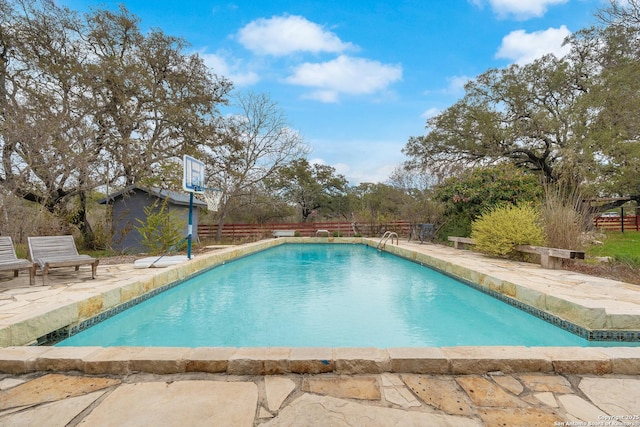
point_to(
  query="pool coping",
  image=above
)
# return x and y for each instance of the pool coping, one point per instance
(17, 356)
(314, 360)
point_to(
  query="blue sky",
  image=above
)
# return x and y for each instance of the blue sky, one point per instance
(357, 78)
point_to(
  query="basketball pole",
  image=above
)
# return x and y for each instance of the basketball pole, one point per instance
(190, 226)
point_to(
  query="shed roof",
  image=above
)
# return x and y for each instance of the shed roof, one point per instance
(175, 197)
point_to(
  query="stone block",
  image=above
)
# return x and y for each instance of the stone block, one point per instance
(159, 360)
(209, 359)
(418, 360)
(531, 297)
(624, 360)
(111, 360)
(111, 298)
(131, 291)
(42, 320)
(365, 360)
(64, 358)
(311, 360)
(90, 307)
(19, 360)
(578, 360)
(5, 335)
(259, 361)
(481, 360)
(588, 317)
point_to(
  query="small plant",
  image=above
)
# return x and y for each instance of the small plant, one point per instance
(500, 229)
(162, 230)
(337, 234)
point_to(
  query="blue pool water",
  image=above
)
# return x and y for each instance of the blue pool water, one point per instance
(312, 295)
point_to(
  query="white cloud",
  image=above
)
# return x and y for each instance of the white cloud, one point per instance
(522, 47)
(431, 112)
(344, 75)
(359, 160)
(520, 9)
(456, 84)
(283, 35)
(233, 71)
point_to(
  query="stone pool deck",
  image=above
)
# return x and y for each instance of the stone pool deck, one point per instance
(454, 386)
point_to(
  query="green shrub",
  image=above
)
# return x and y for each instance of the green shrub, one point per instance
(500, 229)
(162, 230)
(464, 198)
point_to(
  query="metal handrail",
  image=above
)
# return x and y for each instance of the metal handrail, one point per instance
(385, 237)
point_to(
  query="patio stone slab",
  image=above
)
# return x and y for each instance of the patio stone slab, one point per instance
(361, 387)
(547, 398)
(485, 393)
(50, 388)
(54, 414)
(508, 383)
(395, 391)
(616, 396)
(277, 390)
(542, 383)
(180, 403)
(531, 417)
(440, 393)
(310, 410)
(580, 409)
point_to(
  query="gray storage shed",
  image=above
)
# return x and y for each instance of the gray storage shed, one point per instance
(128, 207)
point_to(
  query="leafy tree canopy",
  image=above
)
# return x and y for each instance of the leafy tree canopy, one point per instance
(314, 188)
(466, 197)
(574, 119)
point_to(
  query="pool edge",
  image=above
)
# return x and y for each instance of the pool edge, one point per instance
(341, 361)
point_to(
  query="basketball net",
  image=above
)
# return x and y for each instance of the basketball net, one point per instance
(212, 198)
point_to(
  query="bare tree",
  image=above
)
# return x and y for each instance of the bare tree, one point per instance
(625, 13)
(80, 92)
(253, 144)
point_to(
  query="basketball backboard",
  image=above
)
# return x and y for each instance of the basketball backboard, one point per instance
(193, 177)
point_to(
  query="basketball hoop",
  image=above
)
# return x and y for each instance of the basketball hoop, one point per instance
(212, 196)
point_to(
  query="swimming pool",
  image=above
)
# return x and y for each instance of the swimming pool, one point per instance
(318, 295)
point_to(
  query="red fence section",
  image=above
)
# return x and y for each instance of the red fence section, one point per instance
(613, 223)
(304, 229)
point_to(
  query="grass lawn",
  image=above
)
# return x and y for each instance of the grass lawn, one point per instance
(622, 247)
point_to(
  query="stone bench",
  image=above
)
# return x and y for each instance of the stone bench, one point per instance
(461, 242)
(550, 258)
(284, 233)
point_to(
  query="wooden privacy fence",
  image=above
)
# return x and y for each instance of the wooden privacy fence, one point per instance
(618, 223)
(303, 229)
